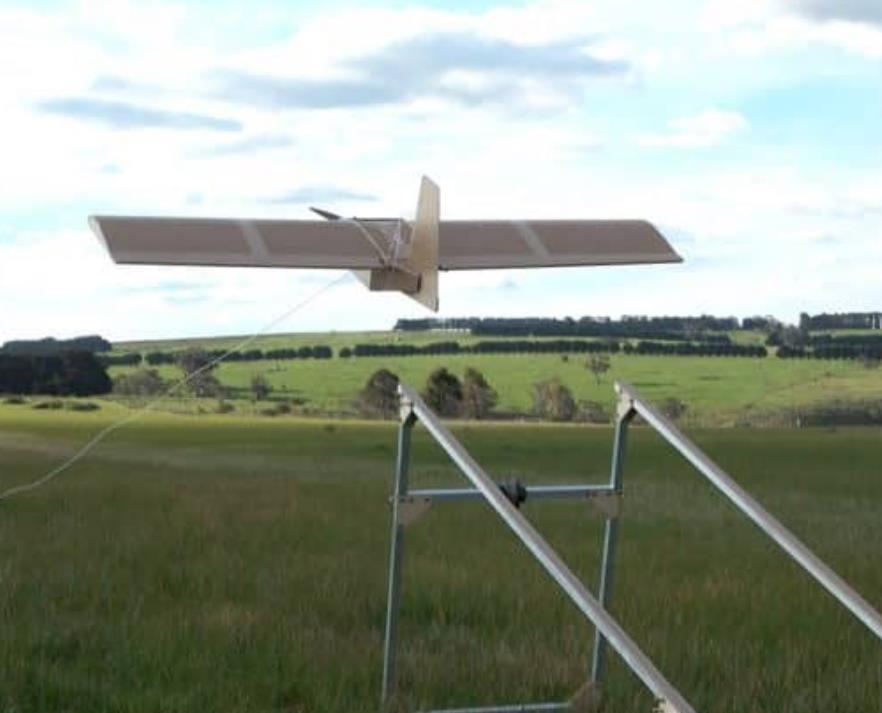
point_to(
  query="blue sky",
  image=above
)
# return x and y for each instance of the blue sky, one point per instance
(748, 132)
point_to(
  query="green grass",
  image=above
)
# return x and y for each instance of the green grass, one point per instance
(717, 391)
(238, 564)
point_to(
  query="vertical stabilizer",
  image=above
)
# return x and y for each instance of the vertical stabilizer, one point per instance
(423, 259)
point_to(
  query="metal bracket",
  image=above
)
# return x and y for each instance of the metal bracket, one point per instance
(405, 410)
(625, 407)
(411, 509)
(607, 630)
(608, 504)
(586, 699)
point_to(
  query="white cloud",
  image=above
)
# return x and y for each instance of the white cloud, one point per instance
(709, 128)
(563, 151)
(763, 26)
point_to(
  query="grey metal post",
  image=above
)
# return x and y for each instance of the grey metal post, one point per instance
(610, 537)
(668, 696)
(396, 550)
(831, 581)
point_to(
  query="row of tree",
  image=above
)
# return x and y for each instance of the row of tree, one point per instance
(815, 340)
(870, 353)
(54, 347)
(507, 346)
(830, 348)
(375, 350)
(70, 373)
(695, 349)
(157, 358)
(841, 320)
(444, 392)
(635, 326)
(473, 397)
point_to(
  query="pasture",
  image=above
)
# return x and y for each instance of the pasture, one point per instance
(239, 564)
(718, 391)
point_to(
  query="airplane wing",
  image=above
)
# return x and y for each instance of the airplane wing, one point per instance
(248, 243)
(359, 245)
(487, 244)
(386, 254)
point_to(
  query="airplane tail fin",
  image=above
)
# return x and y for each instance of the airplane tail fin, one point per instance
(423, 259)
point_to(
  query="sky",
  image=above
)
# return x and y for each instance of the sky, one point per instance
(749, 133)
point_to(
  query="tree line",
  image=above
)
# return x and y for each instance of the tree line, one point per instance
(508, 346)
(635, 327)
(50, 346)
(473, 397)
(823, 340)
(69, 373)
(696, 349)
(841, 320)
(866, 352)
(669, 328)
(158, 358)
(722, 347)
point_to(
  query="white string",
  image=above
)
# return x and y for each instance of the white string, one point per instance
(107, 430)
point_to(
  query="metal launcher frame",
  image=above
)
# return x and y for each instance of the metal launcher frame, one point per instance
(408, 504)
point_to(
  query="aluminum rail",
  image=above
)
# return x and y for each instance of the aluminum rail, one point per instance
(548, 558)
(831, 581)
(517, 708)
(533, 491)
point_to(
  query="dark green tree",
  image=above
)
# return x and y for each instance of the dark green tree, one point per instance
(553, 400)
(198, 368)
(260, 387)
(478, 397)
(379, 397)
(443, 393)
(673, 408)
(598, 364)
(142, 382)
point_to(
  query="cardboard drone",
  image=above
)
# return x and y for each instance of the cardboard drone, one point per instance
(385, 253)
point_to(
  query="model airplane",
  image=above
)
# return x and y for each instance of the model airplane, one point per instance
(385, 253)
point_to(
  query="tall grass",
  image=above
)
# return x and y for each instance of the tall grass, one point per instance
(239, 565)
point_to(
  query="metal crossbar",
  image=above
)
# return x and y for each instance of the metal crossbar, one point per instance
(607, 630)
(413, 408)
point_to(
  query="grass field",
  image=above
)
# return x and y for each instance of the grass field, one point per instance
(717, 391)
(238, 564)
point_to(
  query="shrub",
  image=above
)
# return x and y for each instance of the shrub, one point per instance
(443, 393)
(379, 397)
(82, 406)
(598, 364)
(553, 400)
(280, 409)
(594, 412)
(198, 365)
(143, 382)
(673, 408)
(478, 397)
(260, 387)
